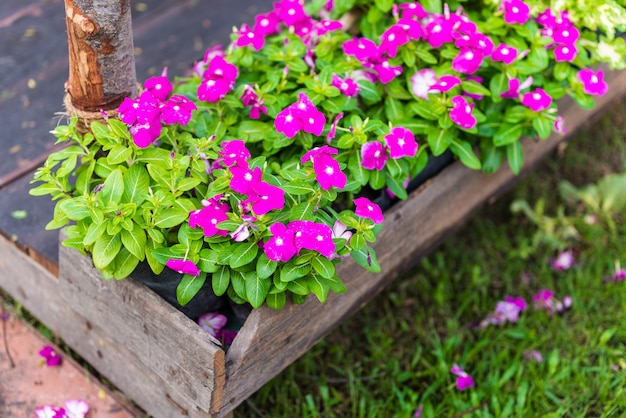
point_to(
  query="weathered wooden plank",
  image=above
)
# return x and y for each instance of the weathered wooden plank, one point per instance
(173, 346)
(412, 229)
(38, 291)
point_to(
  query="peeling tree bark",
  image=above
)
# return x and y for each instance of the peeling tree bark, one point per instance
(101, 53)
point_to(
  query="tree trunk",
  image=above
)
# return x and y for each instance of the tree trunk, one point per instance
(101, 53)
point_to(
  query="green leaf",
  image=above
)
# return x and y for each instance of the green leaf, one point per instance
(299, 286)
(396, 186)
(543, 126)
(463, 150)
(492, 157)
(136, 184)
(298, 188)
(170, 218)
(384, 5)
(319, 287)
(426, 56)
(534, 63)
(113, 187)
(360, 174)
(265, 267)
(292, 271)
(243, 254)
(207, 261)
(303, 211)
(125, 264)
(497, 86)
(369, 92)
(252, 130)
(256, 290)
(394, 110)
(189, 287)
(473, 87)
(515, 156)
(238, 284)
(220, 280)
(135, 241)
(507, 134)
(119, 154)
(276, 300)
(516, 114)
(94, 232)
(105, 250)
(366, 257)
(440, 139)
(323, 266)
(424, 109)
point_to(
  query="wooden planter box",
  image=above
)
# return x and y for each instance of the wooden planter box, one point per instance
(170, 367)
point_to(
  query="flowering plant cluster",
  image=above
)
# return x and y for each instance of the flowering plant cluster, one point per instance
(255, 169)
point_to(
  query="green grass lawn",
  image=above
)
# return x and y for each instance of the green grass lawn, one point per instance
(396, 353)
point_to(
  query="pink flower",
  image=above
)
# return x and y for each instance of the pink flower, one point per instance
(244, 178)
(281, 247)
(183, 267)
(418, 412)
(394, 37)
(412, 28)
(313, 236)
(413, 9)
(51, 356)
(507, 310)
(517, 301)
(290, 11)
(333, 128)
(545, 300)
(363, 49)
(365, 208)
(226, 336)
(474, 96)
(177, 109)
(49, 411)
(401, 143)
(250, 98)
(537, 100)
(445, 83)
(301, 115)
(463, 380)
(504, 53)
(386, 73)
(565, 34)
(564, 261)
(347, 87)
(373, 155)
(439, 31)
(325, 26)
(533, 355)
(76, 408)
(208, 217)
(618, 276)
(516, 11)
(249, 37)
(559, 125)
(565, 53)
(160, 87)
(233, 152)
(327, 170)
(461, 113)
(547, 18)
(593, 82)
(340, 231)
(264, 197)
(422, 81)
(467, 61)
(514, 88)
(266, 24)
(218, 80)
(200, 66)
(212, 322)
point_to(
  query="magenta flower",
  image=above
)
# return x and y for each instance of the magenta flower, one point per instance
(347, 87)
(439, 31)
(422, 81)
(559, 125)
(200, 66)
(324, 26)
(461, 113)
(393, 38)
(208, 217)
(212, 322)
(537, 100)
(314, 236)
(218, 79)
(412, 28)
(564, 261)
(519, 302)
(547, 18)
(177, 109)
(49, 411)
(593, 82)
(479, 80)
(565, 34)
(373, 155)
(51, 356)
(514, 88)
(333, 128)
(386, 73)
(618, 275)
(507, 310)
(183, 267)
(266, 24)
(301, 115)
(160, 86)
(401, 143)
(233, 152)
(543, 300)
(565, 53)
(144, 134)
(414, 9)
(340, 231)
(244, 178)
(247, 37)
(365, 208)
(140, 110)
(250, 98)
(463, 380)
(516, 11)
(76, 408)
(363, 49)
(264, 197)
(327, 170)
(290, 11)
(467, 61)
(281, 247)
(445, 83)
(504, 53)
